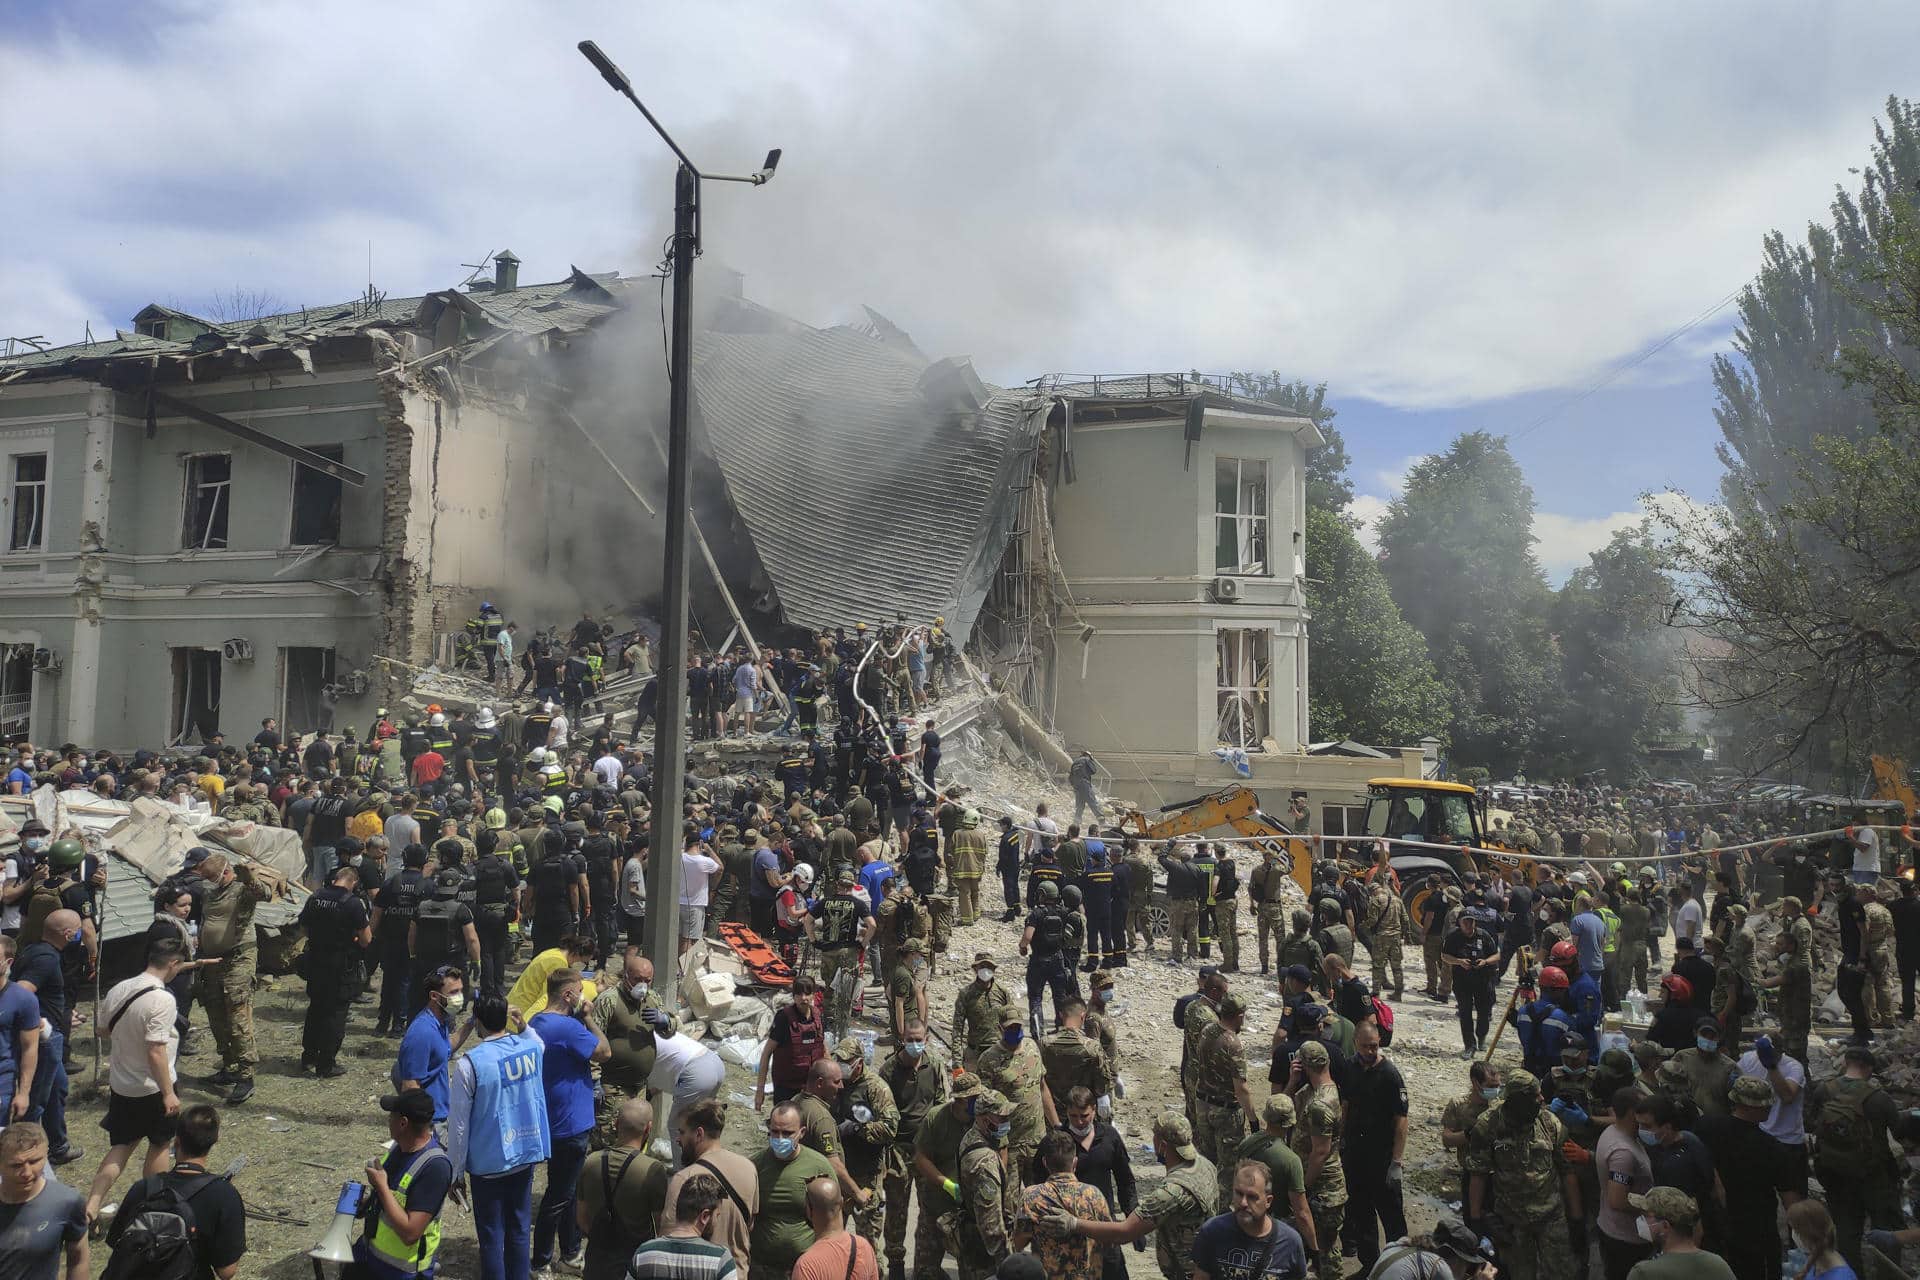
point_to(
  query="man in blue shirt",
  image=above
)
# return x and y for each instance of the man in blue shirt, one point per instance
(874, 874)
(497, 1132)
(20, 777)
(409, 1185)
(1248, 1242)
(574, 1042)
(429, 1044)
(1590, 936)
(764, 885)
(19, 1039)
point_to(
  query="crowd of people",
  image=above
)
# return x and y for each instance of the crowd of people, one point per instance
(484, 871)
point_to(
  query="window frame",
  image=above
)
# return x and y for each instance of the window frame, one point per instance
(1249, 702)
(40, 487)
(334, 453)
(191, 486)
(1252, 529)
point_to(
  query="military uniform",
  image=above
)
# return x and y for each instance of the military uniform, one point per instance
(939, 1141)
(1071, 1057)
(918, 1086)
(976, 1013)
(868, 1143)
(1183, 1201)
(1219, 1070)
(1018, 1073)
(1102, 1030)
(1270, 908)
(1385, 925)
(1525, 1169)
(1318, 1107)
(906, 984)
(633, 1041)
(1140, 869)
(989, 1198)
(1795, 1004)
(225, 990)
(1880, 965)
(1201, 1014)
(1458, 1116)
(1302, 949)
(837, 939)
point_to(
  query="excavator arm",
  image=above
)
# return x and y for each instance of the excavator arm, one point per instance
(1237, 808)
(1890, 783)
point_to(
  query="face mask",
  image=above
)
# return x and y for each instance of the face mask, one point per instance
(1001, 1130)
(915, 1048)
(1645, 1232)
(37, 844)
(1572, 1070)
(1490, 1094)
(985, 975)
(1707, 1045)
(1011, 1036)
(456, 1003)
(639, 990)
(1366, 1059)
(1523, 1110)
(1079, 1130)
(1648, 1138)
(782, 1147)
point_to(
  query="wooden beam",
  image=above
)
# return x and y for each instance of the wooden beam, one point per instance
(253, 435)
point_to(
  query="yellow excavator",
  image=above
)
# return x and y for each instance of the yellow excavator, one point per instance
(1236, 808)
(1891, 781)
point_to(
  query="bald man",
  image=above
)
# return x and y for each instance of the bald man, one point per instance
(39, 969)
(639, 1185)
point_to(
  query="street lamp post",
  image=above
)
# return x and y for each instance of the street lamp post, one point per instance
(661, 934)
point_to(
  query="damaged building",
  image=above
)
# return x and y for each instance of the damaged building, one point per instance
(209, 523)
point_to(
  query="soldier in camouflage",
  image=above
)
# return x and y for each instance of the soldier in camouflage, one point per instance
(916, 1076)
(1879, 955)
(869, 1124)
(1173, 1211)
(1301, 947)
(634, 1016)
(1073, 1058)
(1264, 887)
(1457, 1117)
(1201, 1014)
(1385, 923)
(1222, 1107)
(936, 1163)
(1013, 1067)
(989, 1187)
(1520, 1190)
(1100, 1023)
(1140, 868)
(976, 1011)
(1316, 1140)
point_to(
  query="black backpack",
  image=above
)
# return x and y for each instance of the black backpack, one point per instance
(162, 1241)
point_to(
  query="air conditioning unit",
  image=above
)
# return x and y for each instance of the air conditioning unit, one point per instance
(46, 660)
(1226, 590)
(237, 649)
(355, 683)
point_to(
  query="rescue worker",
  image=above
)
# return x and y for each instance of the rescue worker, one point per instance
(1102, 947)
(1226, 919)
(1849, 1117)
(916, 1076)
(1205, 865)
(1139, 868)
(484, 630)
(869, 1122)
(1385, 923)
(1544, 1024)
(394, 908)
(988, 1187)
(840, 926)
(1043, 943)
(966, 863)
(1184, 893)
(1007, 864)
(1269, 904)
(1174, 1211)
(1071, 1058)
(225, 990)
(1521, 1192)
(1013, 1067)
(338, 932)
(1222, 1107)
(496, 895)
(977, 1010)
(936, 1165)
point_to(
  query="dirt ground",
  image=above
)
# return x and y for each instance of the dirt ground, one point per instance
(303, 1138)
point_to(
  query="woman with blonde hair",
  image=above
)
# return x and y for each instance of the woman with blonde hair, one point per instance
(1813, 1232)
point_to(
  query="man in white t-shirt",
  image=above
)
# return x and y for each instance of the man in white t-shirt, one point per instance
(633, 896)
(1866, 854)
(609, 770)
(9, 911)
(697, 870)
(1788, 1080)
(142, 1046)
(1688, 920)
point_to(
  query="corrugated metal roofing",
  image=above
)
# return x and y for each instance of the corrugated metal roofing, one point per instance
(859, 497)
(126, 909)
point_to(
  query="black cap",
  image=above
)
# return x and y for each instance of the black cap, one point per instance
(413, 1104)
(196, 856)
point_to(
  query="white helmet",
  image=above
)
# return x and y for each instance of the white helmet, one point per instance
(1577, 877)
(537, 756)
(485, 719)
(547, 707)
(437, 720)
(803, 875)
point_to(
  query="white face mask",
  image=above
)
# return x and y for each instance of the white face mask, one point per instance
(1645, 1232)
(985, 975)
(639, 990)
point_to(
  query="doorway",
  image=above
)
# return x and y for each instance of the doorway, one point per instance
(196, 694)
(309, 701)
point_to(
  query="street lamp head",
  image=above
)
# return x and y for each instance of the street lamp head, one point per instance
(772, 163)
(604, 65)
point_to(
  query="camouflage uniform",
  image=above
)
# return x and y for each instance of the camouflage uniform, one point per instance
(939, 1141)
(918, 1087)
(1385, 925)
(1018, 1074)
(1270, 912)
(870, 1146)
(1795, 1005)
(1300, 948)
(1458, 1116)
(225, 990)
(1219, 1071)
(1200, 1015)
(1140, 869)
(624, 1075)
(1071, 1057)
(1525, 1169)
(1319, 1109)
(976, 1014)
(1102, 1031)
(1878, 990)
(1183, 1201)
(989, 1198)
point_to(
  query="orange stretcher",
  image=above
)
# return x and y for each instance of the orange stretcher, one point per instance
(766, 966)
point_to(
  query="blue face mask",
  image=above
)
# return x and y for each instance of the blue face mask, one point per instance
(781, 1147)
(1707, 1044)
(1491, 1095)
(1001, 1130)
(1011, 1036)
(1648, 1138)
(915, 1048)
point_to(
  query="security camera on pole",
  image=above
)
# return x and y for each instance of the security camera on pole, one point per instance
(670, 722)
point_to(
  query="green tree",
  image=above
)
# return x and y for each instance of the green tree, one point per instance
(1457, 549)
(1328, 486)
(1619, 658)
(1369, 677)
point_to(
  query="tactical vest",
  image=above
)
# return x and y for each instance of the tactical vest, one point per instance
(1049, 931)
(806, 1044)
(839, 926)
(491, 882)
(434, 931)
(401, 901)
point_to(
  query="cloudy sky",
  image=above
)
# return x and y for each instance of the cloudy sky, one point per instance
(1459, 216)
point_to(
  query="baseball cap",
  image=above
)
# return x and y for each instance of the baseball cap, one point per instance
(1277, 1109)
(1232, 1006)
(966, 1085)
(413, 1104)
(1299, 973)
(1173, 1129)
(1669, 1204)
(196, 855)
(1519, 1084)
(1313, 1054)
(985, 958)
(1012, 1017)
(991, 1102)
(849, 1050)
(1100, 980)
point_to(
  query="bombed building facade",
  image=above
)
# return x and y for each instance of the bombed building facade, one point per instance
(212, 523)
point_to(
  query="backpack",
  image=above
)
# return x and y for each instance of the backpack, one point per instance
(1845, 1135)
(162, 1241)
(1383, 1018)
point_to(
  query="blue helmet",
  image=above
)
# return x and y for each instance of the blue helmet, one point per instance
(486, 606)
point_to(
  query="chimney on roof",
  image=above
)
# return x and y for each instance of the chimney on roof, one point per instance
(506, 271)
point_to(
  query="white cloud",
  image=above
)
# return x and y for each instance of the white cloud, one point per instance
(1422, 205)
(1562, 543)
(1367, 509)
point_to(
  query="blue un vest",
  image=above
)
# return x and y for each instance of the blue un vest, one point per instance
(509, 1124)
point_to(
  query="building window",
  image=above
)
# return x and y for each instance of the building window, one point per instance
(1240, 517)
(316, 501)
(196, 694)
(1245, 687)
(1343, 820)
(209, 479)
(310, 691)
(29, 502)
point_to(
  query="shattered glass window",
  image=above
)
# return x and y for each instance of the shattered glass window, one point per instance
(316, 501)
(209, 478)
(1245, 687)
(1240, 517)
(29, 502)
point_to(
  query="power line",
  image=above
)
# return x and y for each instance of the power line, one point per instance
(1628, 366)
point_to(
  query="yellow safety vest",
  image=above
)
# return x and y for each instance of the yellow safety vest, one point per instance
(386, 1243)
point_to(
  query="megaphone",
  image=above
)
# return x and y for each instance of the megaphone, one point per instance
(337, 1244)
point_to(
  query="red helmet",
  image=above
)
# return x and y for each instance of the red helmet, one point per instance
(1552, 979)
(1565, 951)
(1677, 988)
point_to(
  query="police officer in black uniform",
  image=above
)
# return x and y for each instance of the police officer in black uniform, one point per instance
(443, 933)
(844, 741)
(1044, 945)
(1007, 863)
(496, 895)
(394, 908)
(338, 932)
(553, 883)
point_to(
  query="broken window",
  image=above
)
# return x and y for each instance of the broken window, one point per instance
(16, 691)
(29, 502)
(1240, 516)
(1245, 685)
(310, 692)
(209, 479)
(316, 501)
(196, 694)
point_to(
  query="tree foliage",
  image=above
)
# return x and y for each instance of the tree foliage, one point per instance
(1328, 486)
(1369, 675)
(1806, 576)
(1619, 657)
